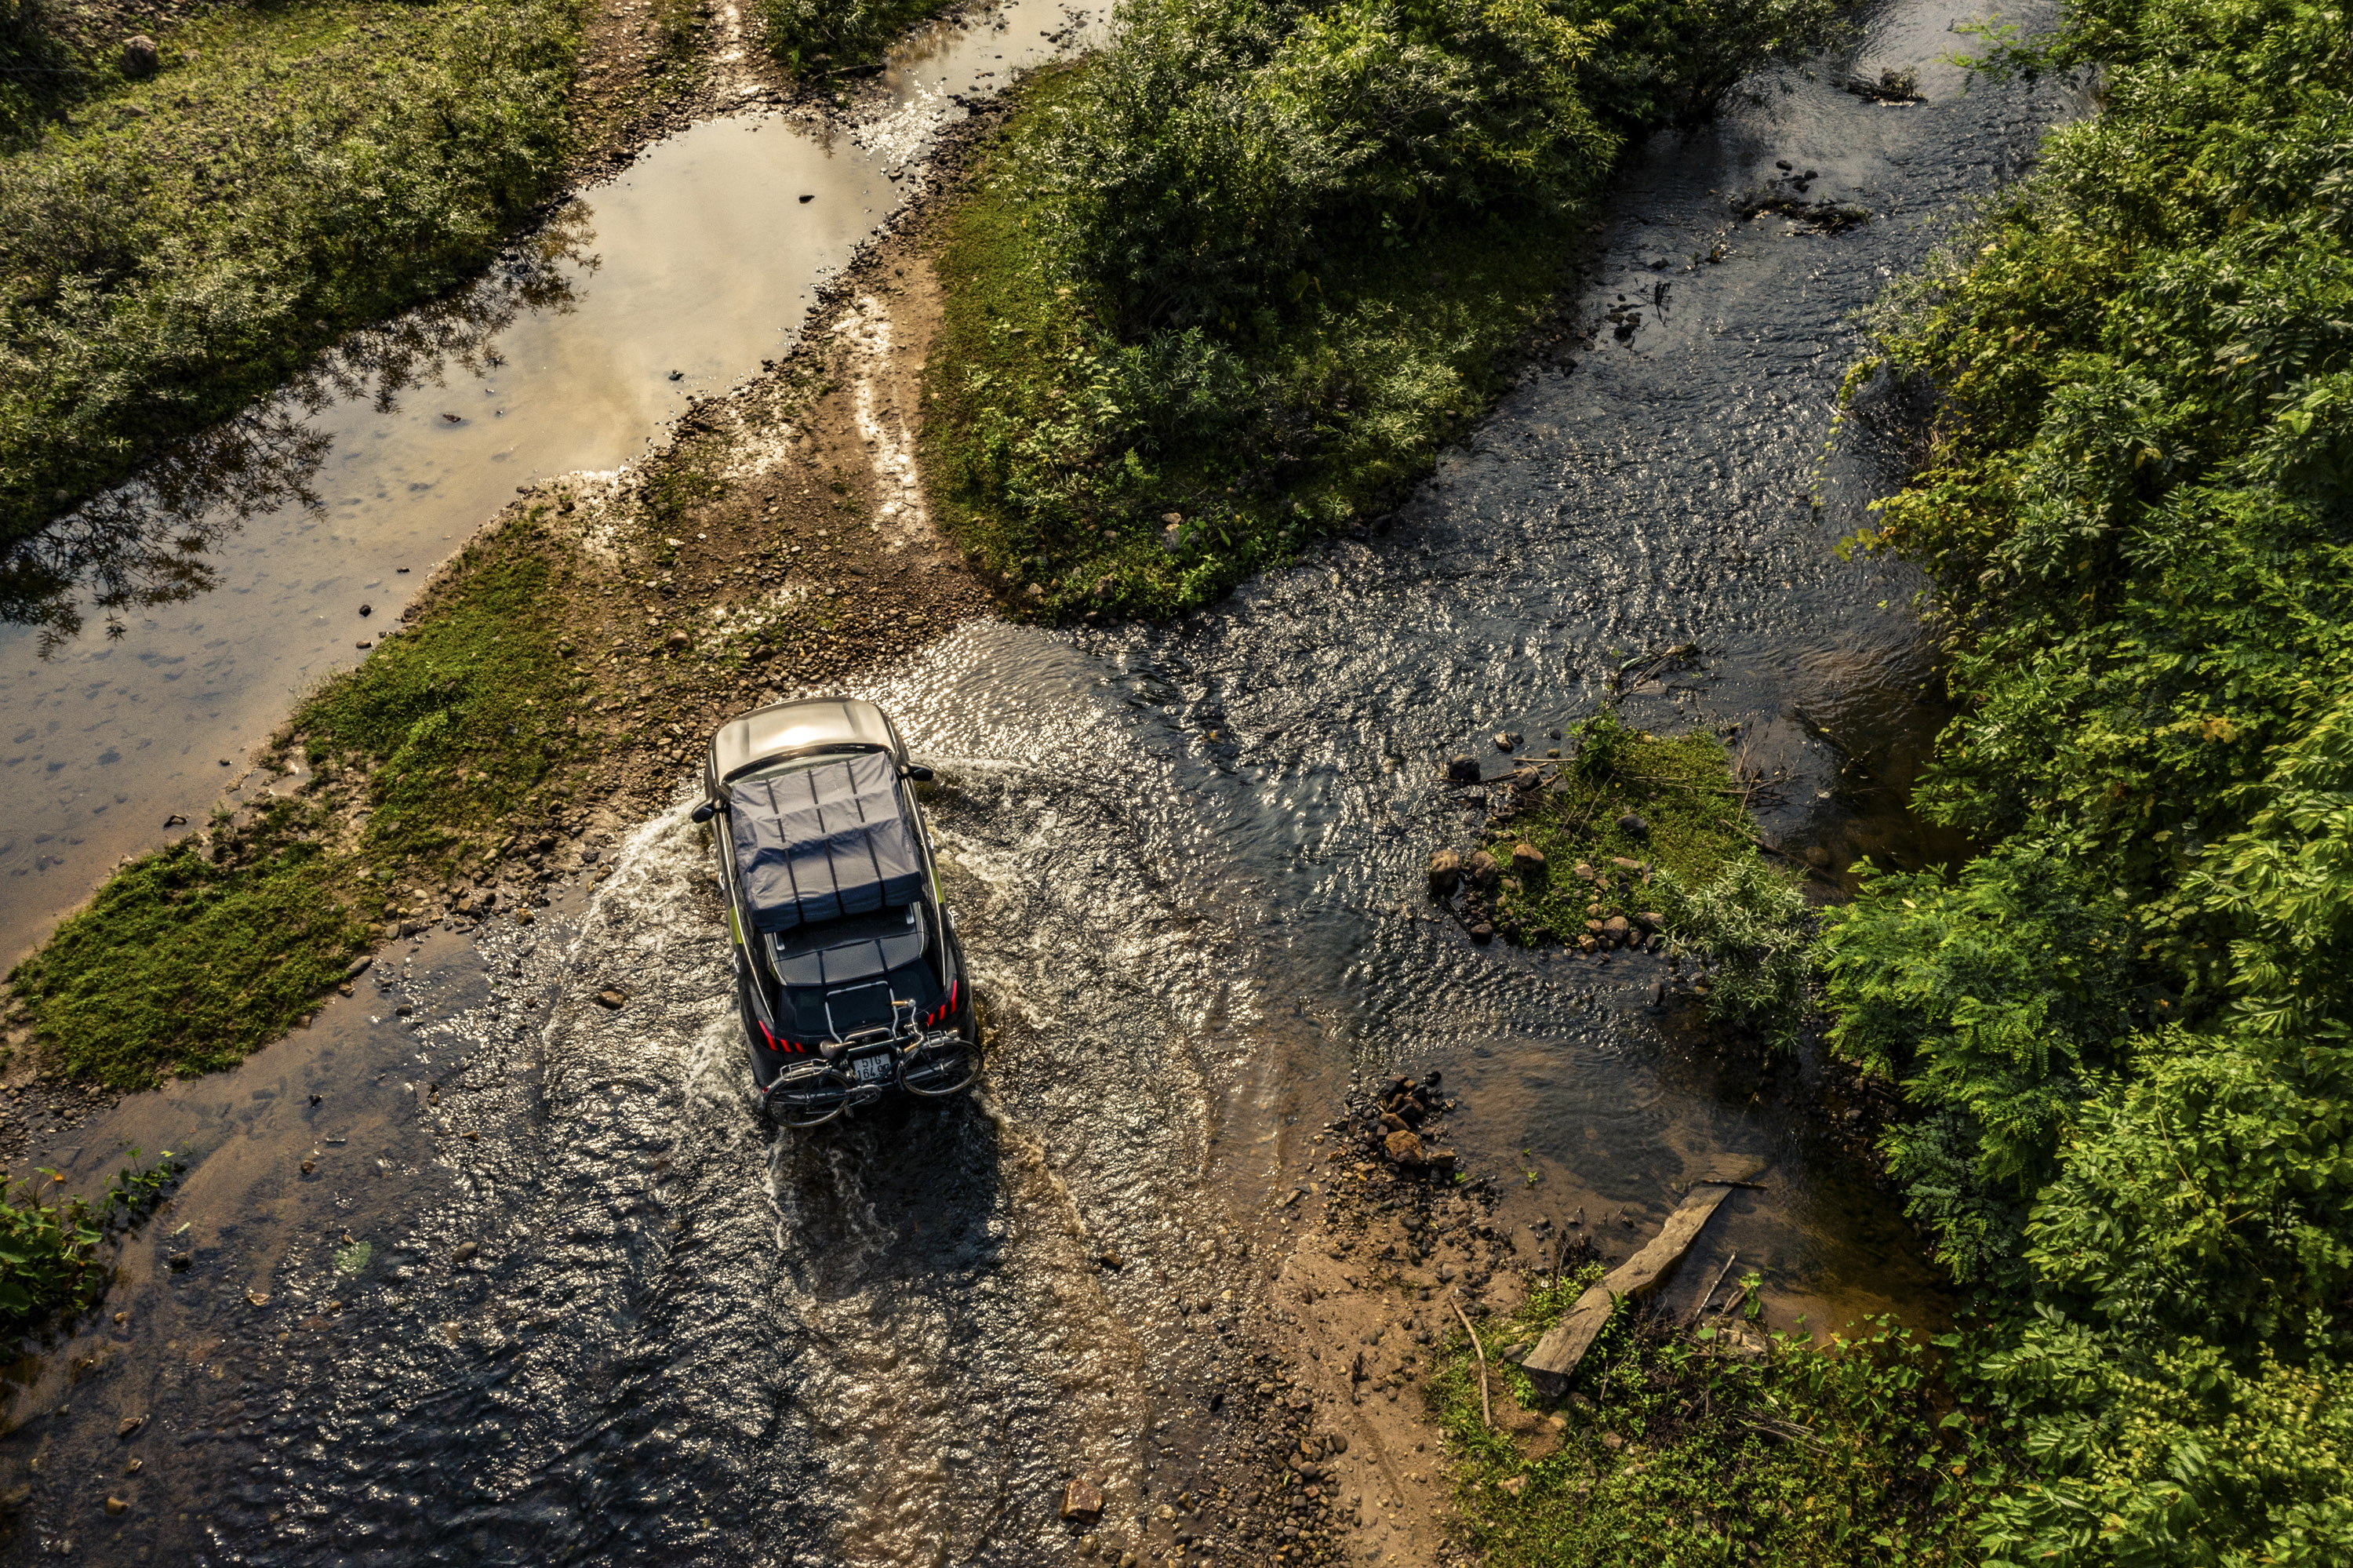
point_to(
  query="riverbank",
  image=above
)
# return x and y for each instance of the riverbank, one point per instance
(554, 680)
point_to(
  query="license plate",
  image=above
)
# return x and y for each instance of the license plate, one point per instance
(873, 1069)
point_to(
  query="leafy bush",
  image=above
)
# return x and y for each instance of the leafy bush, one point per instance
(195, 237)
(48, 1252)
(1233, 280)
(2126, 1025)
(1755, 932)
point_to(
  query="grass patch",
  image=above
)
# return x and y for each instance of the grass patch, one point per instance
(182, 244)
(49, 1251)
(1640, 834)
(193, 957)
(1677, 1451)
(457, 721)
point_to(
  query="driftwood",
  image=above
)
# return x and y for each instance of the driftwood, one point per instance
(1712, 1286)
(1486, 1411)
(1557, 1353)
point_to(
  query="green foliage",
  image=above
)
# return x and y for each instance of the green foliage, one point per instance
(2127, 1025)
(1234, 281)
(187, 241)
(1753, 927)
(184, 962)
(1997, 998)
(459, 719)
(1833, 1455)
(1748, 922)
(48, 1251)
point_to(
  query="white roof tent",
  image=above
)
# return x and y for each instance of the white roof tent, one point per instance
(821, 842)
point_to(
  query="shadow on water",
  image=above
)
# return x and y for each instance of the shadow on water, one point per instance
(152, 542)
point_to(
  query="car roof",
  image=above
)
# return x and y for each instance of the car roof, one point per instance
(810, 724)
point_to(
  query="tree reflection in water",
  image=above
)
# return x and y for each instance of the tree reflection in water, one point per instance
(147, 541)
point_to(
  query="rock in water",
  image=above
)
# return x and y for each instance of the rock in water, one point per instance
(1463, 769)
(612, 998)
(1082, 1500)
(1403, 1147)
(1445, 871)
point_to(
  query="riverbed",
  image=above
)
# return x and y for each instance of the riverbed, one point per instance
(546, 1291)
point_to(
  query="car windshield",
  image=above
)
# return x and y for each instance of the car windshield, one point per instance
(776, 765)
(838, 952)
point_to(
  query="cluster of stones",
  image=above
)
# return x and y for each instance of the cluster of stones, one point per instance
(1287, 1512)
(1399, 1124)
(1613, 884)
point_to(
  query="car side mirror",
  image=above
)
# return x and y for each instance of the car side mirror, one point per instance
(918, 772)
(703, 812)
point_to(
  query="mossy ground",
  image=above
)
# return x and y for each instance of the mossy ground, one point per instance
(190, 957)
(1672, 1451)
(1683, 789)
(1390, 354)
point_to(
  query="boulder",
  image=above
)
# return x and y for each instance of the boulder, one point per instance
(1614, 930)
(1527, 862)
(1403, 1147)
(1485, 870)
(1445, 872)
(139, 57)
(1650, 920)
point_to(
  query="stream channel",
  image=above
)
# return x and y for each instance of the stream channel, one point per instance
(548, 1294)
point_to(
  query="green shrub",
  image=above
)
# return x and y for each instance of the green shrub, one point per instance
(48, 1251)
(192, 238)
(2126, 1025)
(1232, 282)
(1754, 929)
(827, 35)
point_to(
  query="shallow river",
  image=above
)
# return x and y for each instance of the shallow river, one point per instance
(1186, 861)
(674, 279)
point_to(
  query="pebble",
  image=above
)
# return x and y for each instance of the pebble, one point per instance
(1634, 823)
(1082, 1500)
(612, 998)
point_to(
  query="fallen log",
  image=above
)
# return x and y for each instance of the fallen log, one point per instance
(1550, 1364)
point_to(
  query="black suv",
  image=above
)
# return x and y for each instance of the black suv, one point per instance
(847, 968)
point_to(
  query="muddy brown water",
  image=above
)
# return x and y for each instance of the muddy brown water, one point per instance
(697, 261)
(548, 1294)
